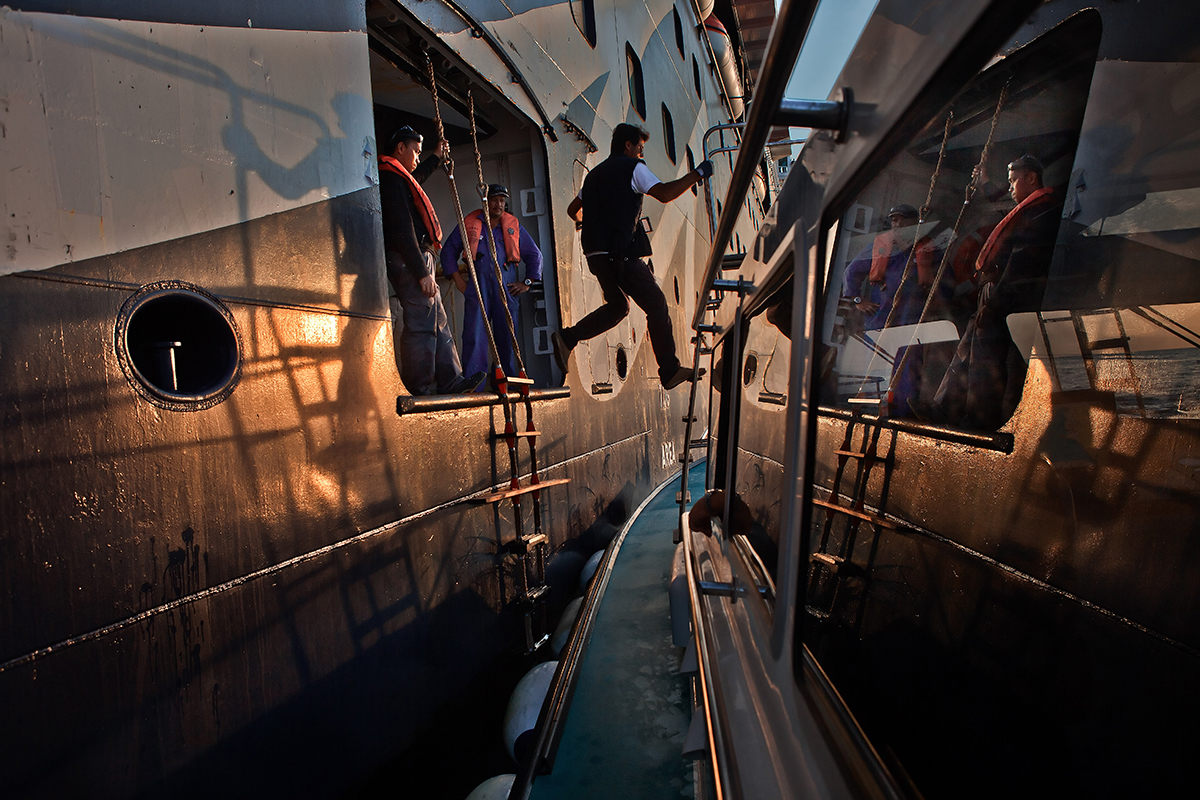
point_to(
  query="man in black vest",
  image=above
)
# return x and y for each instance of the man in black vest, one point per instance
(611, 201)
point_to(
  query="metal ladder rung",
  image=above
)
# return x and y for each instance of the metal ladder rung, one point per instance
(874, 520)
(696, 443)
(865, 456)
(519, 381)
(828, 559)
(530, 434)
(1115, 343)
(534, 594)
(523, 546)
(495, 497)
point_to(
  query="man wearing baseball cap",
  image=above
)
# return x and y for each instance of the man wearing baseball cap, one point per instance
(411, 235)
(513, 245)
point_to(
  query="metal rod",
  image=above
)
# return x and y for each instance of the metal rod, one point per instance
(412, 404)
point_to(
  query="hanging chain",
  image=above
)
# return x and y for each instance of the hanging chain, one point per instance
(448, 165)
(906, 273)
(502, 290)
(978, 177)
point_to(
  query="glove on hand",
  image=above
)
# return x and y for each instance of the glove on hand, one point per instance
(704, 169)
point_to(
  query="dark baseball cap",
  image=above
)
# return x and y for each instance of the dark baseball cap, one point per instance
(404, 133)
(497, 190)
(903, 210)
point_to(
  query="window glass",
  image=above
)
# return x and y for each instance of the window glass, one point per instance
(922, 287)
(668, 133)
(678, 31)
(691, 163)
(637, 89)
(584, 14)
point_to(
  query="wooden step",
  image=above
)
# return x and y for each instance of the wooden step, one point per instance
(496, 497)
(871, 518)
(530, 434)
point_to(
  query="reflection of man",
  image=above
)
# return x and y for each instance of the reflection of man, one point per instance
(428, 361)
(874, 283)
(611, 202)
(983, 385)
(513, 245)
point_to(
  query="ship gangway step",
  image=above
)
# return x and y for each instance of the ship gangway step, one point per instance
(882, 522)
(496, 497)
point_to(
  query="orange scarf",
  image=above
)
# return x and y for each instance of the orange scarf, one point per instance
(424, 207)
(1001, 234)
(510, 228)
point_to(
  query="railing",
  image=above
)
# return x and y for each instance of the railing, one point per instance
(787, 36)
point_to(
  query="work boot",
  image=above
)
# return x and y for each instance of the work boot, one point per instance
(467, 383)
(681, 375)
(562, 353)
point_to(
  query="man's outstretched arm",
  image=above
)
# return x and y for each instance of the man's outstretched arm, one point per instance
(666, 192)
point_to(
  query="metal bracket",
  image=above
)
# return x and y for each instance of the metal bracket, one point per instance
(823, 114)
(741, 286)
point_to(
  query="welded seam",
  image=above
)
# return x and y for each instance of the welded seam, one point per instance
(100, 283)
(291, 562)
(907, 526)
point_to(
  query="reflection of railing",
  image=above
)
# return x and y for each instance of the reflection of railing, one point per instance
(787, 36)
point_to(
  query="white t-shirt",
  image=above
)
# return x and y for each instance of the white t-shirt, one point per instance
(643, 180)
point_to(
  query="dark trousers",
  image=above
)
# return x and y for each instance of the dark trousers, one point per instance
(621, 282)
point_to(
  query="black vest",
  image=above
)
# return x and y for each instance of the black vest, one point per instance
(611, 208)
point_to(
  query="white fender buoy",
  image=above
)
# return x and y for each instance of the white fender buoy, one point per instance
(496, 788)
(562, 631)
(704, 8)
(723, 50)
(526, 703)
(589, 569)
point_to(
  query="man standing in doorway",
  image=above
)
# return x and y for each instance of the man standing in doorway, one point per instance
(611, 202)
(513, 245)
(984, 383)
(411, 235)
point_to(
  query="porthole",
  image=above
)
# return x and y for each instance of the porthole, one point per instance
(678, 31)
(637, 87)
(676, 280)
(178, 346)
(750, 369)
(691, 162)
(622, 362)
(668, 133)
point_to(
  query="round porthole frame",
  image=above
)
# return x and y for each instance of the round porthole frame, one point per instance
(225, 379)
(750, 368)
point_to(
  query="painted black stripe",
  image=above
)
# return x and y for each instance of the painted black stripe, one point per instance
(299, 15)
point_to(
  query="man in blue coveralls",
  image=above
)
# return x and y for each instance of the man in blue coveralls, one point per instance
(875, 284)
(513, 245)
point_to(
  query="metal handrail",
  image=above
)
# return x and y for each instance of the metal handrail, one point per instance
(722, 779)
(415, 404)
(787, 37)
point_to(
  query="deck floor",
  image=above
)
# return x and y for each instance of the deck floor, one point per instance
(627, 722)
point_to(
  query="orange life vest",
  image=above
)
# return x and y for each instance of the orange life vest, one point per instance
(424, 207)
(1002, 233)
(510, 228)
(886, 244)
